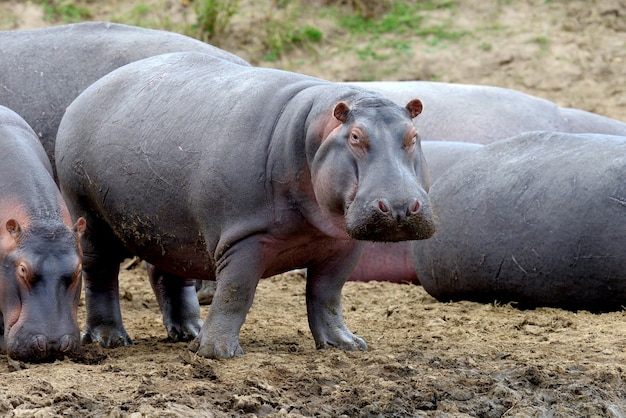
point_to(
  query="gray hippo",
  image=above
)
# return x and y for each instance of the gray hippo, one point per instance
(468, 113)
(40, 278)
(211, 170)
(484, 114)
(43, 70)
(392, 261)
(538, 219)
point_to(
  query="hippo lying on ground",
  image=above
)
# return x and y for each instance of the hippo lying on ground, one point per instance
(43, 70)
(483, 114)
(40, 278)
(207, 169)
(538, 219)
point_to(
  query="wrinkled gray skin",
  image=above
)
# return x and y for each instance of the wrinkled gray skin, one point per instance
(211, 170)
(43, 70)
(538, 219)
(40, 266)
(484, 114)
(468, 113)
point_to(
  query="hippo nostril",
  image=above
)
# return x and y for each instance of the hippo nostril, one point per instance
(416, 207)
(41, 342)
(383, 207)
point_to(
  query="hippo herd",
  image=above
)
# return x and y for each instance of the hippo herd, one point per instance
(121, 141)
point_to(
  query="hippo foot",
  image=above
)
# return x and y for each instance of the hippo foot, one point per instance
(215, 349)
(344, 341)
(206, 292)
(106, 336)
(186, 331)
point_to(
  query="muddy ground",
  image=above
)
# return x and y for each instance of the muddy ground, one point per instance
(425, 358)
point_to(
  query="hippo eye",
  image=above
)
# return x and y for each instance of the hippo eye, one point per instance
(22, 271)
(354, 138)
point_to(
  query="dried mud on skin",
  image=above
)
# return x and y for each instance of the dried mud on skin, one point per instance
(426, 358)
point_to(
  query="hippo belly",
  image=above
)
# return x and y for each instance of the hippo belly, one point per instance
(40, 277)
(208, 169)
(537, 219)
(43, 70)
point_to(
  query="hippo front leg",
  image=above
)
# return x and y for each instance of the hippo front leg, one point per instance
(104, 317)
(323, 297)
(238, 273)
(179, 304)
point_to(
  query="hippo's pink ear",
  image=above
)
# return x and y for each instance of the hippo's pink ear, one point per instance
(79, 226)
(341, 112)
(414, 107)
(14, 229)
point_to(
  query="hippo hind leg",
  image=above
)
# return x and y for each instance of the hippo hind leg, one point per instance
(178, 302)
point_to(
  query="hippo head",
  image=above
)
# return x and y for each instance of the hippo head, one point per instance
(370, 169)
(40, 283)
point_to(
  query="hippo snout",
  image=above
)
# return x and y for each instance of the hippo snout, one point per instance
(40, 348)
(385, 219)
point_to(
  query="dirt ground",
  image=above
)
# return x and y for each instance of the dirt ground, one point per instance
(425, 358)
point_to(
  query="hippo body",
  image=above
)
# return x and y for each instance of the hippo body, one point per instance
(473, 114)
(40, 277)
(484, 114)
(211, 170)
(43, 70)
(392, 261)
(538, 219)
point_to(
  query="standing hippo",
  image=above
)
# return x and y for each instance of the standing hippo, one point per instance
(484, 114)
(43, 70)
(40, 278)
(539, 219)
(212, 170)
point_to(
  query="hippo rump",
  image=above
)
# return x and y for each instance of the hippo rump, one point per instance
(211, 170)
(538, 219)
(43, 70)
(40, 278)
(392, 261)
(484, 114)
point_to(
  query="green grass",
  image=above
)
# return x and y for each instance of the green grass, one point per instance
(65, 11)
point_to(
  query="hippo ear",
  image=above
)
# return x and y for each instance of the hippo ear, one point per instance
(414, 107)
(14, 229)
(79, 226)
(341, 112)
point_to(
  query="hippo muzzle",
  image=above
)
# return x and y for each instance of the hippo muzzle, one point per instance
(390, 220)
(39, 348)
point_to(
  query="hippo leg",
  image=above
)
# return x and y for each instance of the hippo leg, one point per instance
(323, 298)
(205, 291)
(238, 272)
(179, 304)
(101, 266)
(2, 346)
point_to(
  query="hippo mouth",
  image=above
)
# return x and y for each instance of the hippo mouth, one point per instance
(381, 226)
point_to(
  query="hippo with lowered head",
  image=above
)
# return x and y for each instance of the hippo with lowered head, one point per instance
(43, 70)
(40, 257)
(207, 169)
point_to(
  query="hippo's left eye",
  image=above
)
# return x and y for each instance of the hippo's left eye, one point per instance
(354, 138)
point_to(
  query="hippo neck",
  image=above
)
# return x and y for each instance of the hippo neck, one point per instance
(295, 141)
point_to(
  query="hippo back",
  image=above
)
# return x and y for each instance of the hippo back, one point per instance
(43, 70)
(537, 219)
(484, 114)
